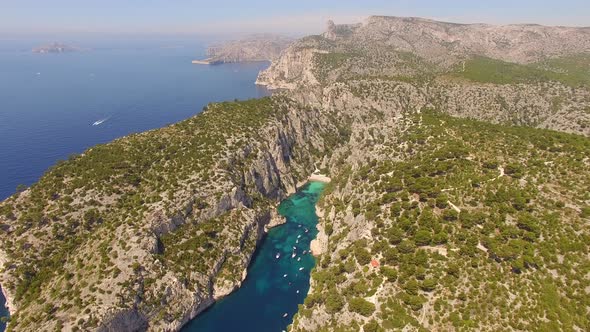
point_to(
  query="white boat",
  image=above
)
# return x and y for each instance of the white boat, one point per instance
(298, 259)
(299, 236)
(284, 275)
(293, 255)
(300, 269)
(285, 315)
(298, 291)
(278, 255)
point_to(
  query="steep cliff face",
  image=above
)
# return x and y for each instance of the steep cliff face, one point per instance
(112, 240)
(459, 69)
(520, 43)
(428, 216)
(149, 230)
(255, 48)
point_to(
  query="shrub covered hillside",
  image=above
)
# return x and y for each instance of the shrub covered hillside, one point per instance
(152, 227)
(451, 224)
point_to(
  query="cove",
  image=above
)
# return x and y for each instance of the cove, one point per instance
(274, 286)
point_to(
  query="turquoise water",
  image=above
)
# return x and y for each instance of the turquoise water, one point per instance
(274, 287)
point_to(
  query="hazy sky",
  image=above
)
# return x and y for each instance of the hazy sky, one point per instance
(23, 17)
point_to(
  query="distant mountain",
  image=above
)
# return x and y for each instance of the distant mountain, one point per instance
(56, 48)
(255, 48)
(511, 74)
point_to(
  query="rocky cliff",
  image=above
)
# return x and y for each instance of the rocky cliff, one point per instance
(255, 48)
(464, 70)
(427, 218)
(147, 231)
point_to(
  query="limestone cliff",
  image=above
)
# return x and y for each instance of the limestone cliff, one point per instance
(255, 48)
(147, 231)
(426, 216)
(474, 71)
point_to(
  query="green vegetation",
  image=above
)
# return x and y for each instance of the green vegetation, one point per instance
(485, 226)
(572, 71)
(67, 234)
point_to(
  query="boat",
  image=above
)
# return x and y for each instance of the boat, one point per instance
(300, 269)
(293, 255)
(298, 259)
(285, 315)
(98, 122)
(285, 275)
(299, 236)
(278, 255)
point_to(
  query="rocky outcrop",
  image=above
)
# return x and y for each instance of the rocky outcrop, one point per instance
(370, 63)
(151, 238)
(150, 285)
(442, 41)
(255, 48)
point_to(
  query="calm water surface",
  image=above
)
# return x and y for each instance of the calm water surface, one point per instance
(274, 287)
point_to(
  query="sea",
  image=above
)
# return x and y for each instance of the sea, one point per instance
(278, 277)
(55, 105)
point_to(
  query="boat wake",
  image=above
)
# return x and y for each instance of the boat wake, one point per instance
(99, 122)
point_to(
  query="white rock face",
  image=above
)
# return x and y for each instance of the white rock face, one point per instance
(255, 48)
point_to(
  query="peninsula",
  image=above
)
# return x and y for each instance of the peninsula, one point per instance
(252, 49)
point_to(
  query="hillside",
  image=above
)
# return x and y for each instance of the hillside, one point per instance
(148, 230)
(438, 224)
(255, 48)
(450, 67)
(460, 168)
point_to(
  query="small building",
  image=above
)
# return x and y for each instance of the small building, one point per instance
(374, 263)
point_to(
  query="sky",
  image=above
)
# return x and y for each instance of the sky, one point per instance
(292, 17)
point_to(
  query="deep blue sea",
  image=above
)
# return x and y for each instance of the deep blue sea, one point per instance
(274, 287)
(49, 102)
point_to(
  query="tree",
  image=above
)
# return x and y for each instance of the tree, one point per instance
(334, 303)
(411, 287)
(450, 215)
(362, 256)
(389, 273)
(371, 326)
(20, 188)
(407, 246)
(428, 285)
(423, 237)
(395, 235)
(361, 306)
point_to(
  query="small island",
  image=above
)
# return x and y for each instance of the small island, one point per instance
(56, 48)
